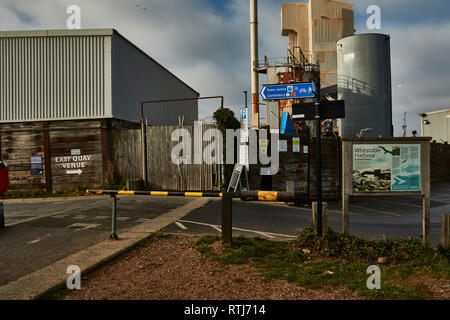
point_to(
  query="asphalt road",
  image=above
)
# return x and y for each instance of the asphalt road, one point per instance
(370, 217)
(39, 234)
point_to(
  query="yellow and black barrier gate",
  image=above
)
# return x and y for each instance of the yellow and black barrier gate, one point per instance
(227, 202)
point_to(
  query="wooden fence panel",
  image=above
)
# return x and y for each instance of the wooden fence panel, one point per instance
(164, 174)
(16, 149)
(128, 154)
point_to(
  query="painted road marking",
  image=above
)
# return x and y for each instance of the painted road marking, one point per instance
(447, 195)
(54, 213)
(60, 216)
(39, 239)
(216, 228)
(376, 211)
(101, 217)
(83, 226)
(180, 225)
(80, 217)
(266, 234)
(400, 203)
(123, 218)
(143, 220)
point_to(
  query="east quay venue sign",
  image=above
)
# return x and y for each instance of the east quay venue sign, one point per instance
(75, 163)
(386, 167)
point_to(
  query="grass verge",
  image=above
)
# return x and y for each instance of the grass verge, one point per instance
(406, 266)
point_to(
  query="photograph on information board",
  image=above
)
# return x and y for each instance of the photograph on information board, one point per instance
(385, 168)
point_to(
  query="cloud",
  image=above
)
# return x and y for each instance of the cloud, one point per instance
(206, 43)
(403, 12)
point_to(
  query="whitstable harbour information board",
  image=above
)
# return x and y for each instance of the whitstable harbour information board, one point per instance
(386, 167)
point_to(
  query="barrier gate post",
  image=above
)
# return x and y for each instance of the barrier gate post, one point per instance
(227, 210)
(113, 235)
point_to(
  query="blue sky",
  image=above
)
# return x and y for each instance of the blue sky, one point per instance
(206, 42)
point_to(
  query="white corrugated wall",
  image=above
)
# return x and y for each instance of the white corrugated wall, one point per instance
(49, 78)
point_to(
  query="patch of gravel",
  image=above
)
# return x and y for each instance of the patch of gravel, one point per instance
(170, 268)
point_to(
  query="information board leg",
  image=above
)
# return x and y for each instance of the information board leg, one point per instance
(445, 234)
(345, 215)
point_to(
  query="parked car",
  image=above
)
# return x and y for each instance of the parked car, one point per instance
(4, 178)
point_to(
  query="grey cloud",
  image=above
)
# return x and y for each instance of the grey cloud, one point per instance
(211, 52)
(404, 12)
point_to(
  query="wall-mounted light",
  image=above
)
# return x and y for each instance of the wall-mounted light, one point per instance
(426, 122)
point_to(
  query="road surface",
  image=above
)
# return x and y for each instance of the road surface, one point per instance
(39, 234)
(370, 217)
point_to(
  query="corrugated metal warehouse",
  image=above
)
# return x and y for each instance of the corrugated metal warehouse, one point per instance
(66, 97)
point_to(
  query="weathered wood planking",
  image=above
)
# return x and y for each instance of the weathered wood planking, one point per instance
(300, 167)
(16, 150)
(164, 174)
(85, 139)
(128, 154)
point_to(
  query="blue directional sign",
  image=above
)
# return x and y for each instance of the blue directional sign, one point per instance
(289, 91)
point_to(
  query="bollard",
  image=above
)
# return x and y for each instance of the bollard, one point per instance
(130, 185)
(113, 235)
(290, 186)
(445, 235)
(227, 213)
(324, 217)
(2, 216)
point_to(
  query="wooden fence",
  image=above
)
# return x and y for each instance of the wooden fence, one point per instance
(164, 174)
(300, 167)
(128, 154)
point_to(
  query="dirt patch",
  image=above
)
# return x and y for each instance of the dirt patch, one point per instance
(169, 268)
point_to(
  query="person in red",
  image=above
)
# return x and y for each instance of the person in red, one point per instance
(4, 185)
(4, 178)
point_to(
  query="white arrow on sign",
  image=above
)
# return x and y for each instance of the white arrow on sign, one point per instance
(263, 93)
(79, 172)
(400, 180)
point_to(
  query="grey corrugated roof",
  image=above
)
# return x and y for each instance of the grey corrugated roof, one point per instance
(80, 33)
(56, 33)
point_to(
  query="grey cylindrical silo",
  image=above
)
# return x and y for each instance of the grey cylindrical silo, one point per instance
(364, 82)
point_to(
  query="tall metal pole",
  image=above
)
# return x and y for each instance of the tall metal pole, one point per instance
(245, 99)
(144, 151)
(319, 167)
(254, 62)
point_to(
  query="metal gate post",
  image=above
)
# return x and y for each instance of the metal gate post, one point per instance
(113, 235)
(227, 210)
